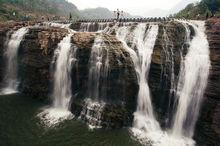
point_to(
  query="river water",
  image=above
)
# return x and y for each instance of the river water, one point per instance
(20, 126)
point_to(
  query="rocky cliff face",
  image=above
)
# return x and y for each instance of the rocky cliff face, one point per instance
(6, 30)
(208, 126)
(37, 50)
(121, 86)
(171, 39)
(35, 57)
(207, 132)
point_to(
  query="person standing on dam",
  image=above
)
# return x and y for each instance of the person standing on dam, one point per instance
(118, 14)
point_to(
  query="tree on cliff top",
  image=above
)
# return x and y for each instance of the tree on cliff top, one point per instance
(200, 10)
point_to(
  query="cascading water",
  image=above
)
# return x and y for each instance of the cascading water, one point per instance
(167, 78)
(169, 55)
(92, 113)
(98, 69)
(102, 26)
(64, 59)
(144, 118)
(144, 42)
(60, 25)
(62, 79)
(89, 27)
(191, 85)
(93, 27)
(84, 27)
(192, 82)
(11, 54)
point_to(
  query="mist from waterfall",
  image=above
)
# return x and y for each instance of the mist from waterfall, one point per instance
(192, 82)
(11, 55)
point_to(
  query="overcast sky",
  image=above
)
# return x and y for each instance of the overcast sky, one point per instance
(135, 7)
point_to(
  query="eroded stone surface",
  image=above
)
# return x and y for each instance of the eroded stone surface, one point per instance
(208, 126)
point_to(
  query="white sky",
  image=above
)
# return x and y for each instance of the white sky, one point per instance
(135, 7)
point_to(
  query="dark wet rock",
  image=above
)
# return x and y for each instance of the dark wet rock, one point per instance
(35, 55)
(37, 50)
(121, 87)
(6, 29)
(208, 125)
(161, 68)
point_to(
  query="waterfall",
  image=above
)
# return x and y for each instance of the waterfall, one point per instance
(192, 82)
(60, 25)
(83, 27)
(62, 79)
(98, 79)
(144, 118)
(102, 26)
(64, 58)
(169, 55)
(167, 74)
(92, 113)
(11, 54)
(86, 27)
(189, 92)
(144, 43)
(99, 66)
(93, 27)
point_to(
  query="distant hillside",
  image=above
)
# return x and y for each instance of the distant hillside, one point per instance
(181, 5)
(200, 10)
(100, 13)
(34, 9)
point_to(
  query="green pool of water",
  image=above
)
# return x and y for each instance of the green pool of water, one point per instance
(19, 126)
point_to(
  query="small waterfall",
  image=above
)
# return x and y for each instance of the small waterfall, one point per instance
(93, 27)
(169, 55)
(64, 58)
(92, 113)
(99, 66)
(98, 79)
(86, 27)
(62, 79)
(102, 26)
(192, 82)
(83, 27)
(144, 42)
(11, 54)
(60, 25)
(189, 91)
(167, 78)
(144, 118)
